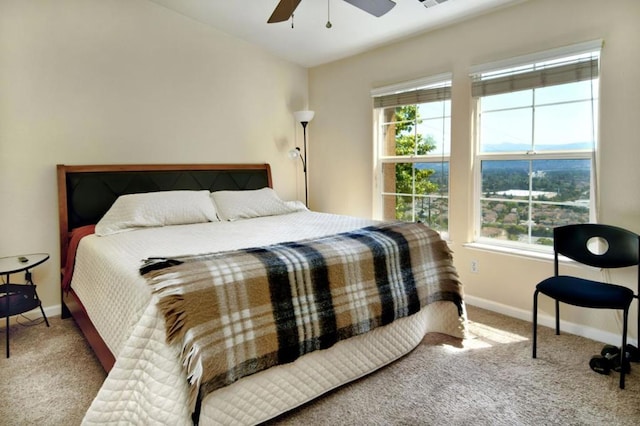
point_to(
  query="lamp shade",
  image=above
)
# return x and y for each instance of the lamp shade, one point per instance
(304, 116)
(294, 153)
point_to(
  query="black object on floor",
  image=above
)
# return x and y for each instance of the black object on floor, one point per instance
(600, 364)
(632, 353)
(609, 359)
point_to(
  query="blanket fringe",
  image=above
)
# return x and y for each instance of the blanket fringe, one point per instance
(193, 365)
(172, 307)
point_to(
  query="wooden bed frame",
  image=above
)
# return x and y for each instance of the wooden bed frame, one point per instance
(86, 192)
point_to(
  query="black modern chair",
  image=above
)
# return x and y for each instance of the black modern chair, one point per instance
(597, 245)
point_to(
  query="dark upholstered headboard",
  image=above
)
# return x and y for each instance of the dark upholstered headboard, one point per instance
(85, 193)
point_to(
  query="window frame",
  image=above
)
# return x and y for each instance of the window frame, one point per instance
(403, 91)
(529, 155)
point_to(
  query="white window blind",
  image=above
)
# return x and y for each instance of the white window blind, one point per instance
(432, 89)
(548, 75)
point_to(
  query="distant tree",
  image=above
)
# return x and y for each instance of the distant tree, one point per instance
(545, 241)
(514, 231)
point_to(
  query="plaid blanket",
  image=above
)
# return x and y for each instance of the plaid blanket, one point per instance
(239, 312)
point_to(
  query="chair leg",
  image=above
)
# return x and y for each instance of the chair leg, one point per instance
(535, 322)
(623, 348)
(557, 317)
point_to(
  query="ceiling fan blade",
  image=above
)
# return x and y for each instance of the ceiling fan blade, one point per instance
(375, 7)
(283, 11)
(431, 3)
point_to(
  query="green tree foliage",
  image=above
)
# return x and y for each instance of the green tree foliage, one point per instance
(410, 179)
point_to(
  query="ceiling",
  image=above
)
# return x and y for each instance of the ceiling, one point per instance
(309, 43)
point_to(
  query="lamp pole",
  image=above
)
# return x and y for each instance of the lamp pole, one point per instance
(304, 117)
(304, 163)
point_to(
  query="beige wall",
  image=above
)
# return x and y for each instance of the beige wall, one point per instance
(128, 81)
(341, 133)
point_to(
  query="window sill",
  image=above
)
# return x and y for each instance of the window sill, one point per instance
(530, 254)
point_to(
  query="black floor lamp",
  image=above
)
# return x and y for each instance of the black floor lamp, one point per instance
(304, 117)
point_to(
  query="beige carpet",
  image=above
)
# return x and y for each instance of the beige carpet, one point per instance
(51, 376)
(489, 379)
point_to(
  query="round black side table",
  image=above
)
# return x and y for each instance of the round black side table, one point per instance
(18, 298)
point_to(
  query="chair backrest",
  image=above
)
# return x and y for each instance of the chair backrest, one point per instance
(576, 242)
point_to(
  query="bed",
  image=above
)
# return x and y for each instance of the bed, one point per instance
(121, 317)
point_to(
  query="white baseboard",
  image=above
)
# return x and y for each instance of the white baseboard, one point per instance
(549, 321)
(52, 311)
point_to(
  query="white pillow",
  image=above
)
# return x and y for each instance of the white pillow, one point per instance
(157, 209)
(233, 205)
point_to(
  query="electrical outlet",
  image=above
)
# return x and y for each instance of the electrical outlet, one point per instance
(475, 266)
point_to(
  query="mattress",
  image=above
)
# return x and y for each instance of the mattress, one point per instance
(147, 384)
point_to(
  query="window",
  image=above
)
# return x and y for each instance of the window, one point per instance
(536, 127)
(413, 134)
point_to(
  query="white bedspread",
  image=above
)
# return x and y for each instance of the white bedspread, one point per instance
(147, 385)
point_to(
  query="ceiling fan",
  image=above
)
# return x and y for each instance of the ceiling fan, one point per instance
(285, 8)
